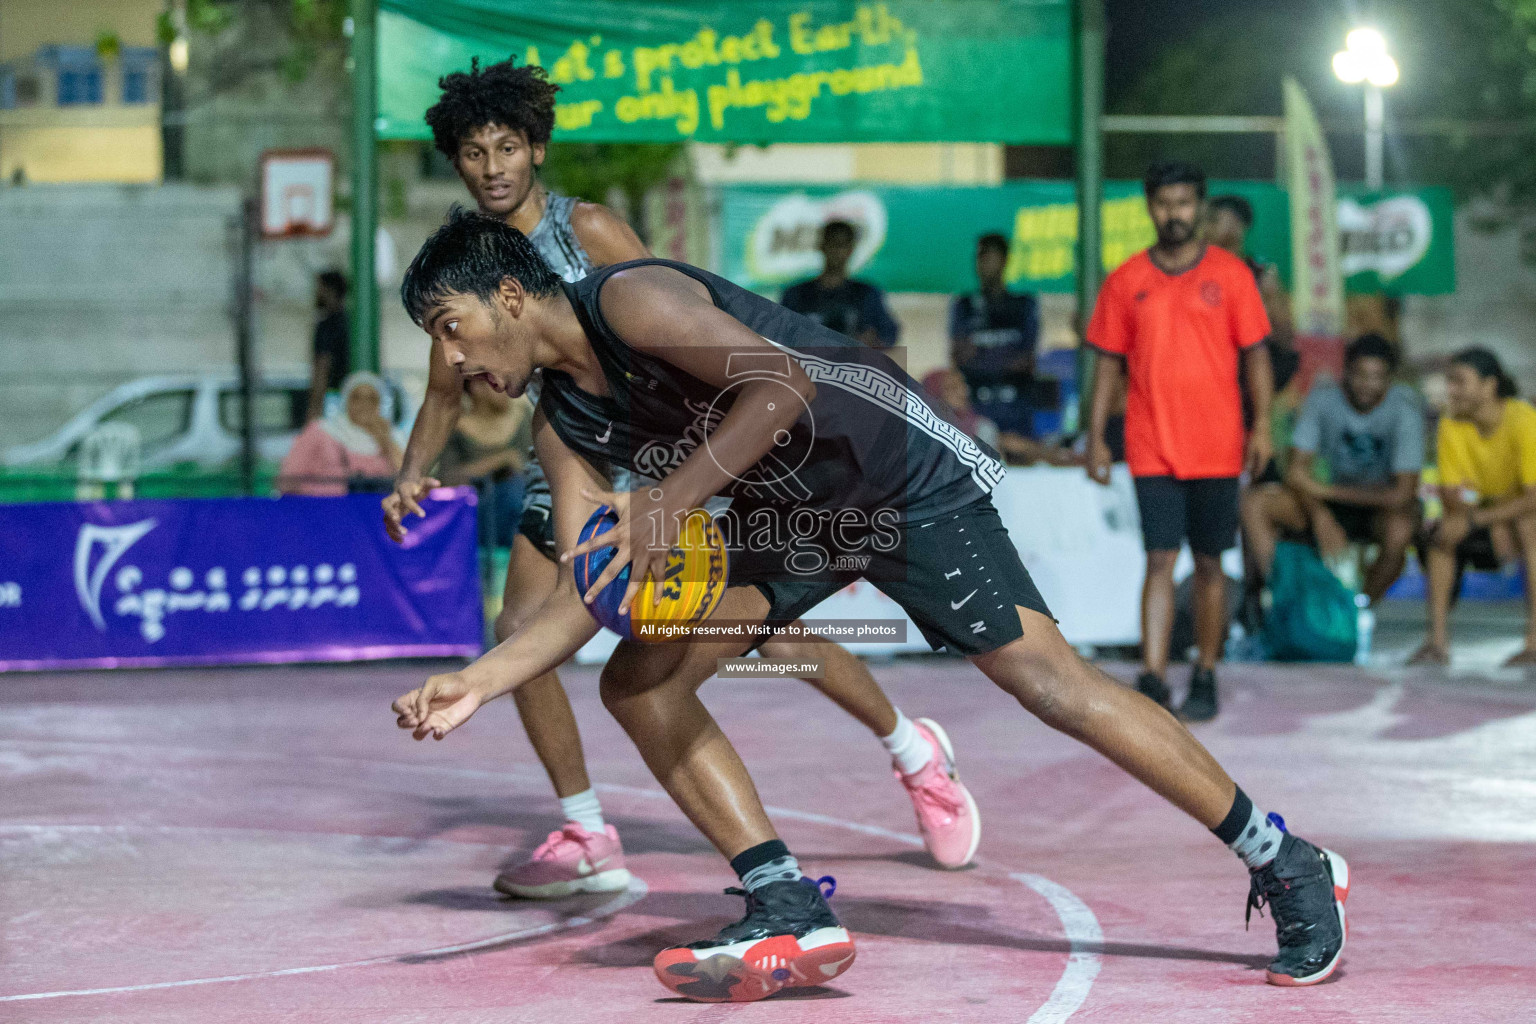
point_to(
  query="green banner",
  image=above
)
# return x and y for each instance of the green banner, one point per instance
(923, 239)
(717, 71)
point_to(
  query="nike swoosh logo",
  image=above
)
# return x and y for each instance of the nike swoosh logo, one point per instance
(955, 606)
(605, 435)
(830, 970)
(583, 868)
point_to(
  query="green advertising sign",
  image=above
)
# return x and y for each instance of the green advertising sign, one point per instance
(717, 71)
(1397, 242)
(923, 239)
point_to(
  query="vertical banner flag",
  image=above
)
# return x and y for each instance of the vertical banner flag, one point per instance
(1317, 280)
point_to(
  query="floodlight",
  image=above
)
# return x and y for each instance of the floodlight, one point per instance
(1383, 72)
(1366, 41)
(1348, 67)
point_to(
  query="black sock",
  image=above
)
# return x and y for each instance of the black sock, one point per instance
(1232, 825)
(764, 863)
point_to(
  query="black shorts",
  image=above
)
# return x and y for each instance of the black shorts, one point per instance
(539, 527)
(1203, 512)
(1358, 522)
(1476, 551)
(957, 575)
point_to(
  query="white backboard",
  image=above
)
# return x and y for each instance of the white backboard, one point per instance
(296, 192)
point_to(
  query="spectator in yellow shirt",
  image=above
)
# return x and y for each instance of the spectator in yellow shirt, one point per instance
(1487, 459)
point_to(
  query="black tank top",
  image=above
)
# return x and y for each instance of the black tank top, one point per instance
(868, 440)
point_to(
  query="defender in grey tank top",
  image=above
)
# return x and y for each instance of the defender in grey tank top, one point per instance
(557, 241)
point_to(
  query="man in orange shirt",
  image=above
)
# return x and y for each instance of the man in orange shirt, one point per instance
(1173, 323)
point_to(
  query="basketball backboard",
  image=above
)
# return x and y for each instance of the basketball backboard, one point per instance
(296, 192)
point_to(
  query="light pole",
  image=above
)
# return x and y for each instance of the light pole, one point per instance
(1365, 59)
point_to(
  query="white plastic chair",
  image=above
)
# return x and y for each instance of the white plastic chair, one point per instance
(110, 454)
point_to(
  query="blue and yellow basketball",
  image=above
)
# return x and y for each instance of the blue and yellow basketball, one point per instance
(691, 589)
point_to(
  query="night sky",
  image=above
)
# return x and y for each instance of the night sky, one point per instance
(1253, 43)
(1139, 30)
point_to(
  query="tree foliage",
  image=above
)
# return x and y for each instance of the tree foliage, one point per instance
(1468, 60)
(311, 30)
(591, 170)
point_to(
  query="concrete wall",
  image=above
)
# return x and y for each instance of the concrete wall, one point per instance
(100, 284)
(1494, 304)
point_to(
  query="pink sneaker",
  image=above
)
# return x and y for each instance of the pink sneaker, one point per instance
(569, 861)
(946, 814)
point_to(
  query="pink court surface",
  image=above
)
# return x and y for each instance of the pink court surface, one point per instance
(262, 845)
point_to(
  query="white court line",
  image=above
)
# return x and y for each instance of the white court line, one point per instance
(1078, 922)
(637, 890)
(1083, 964)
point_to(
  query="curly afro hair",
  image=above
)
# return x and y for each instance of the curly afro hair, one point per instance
(521, 98)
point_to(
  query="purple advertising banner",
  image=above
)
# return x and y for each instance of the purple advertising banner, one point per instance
(235, 580)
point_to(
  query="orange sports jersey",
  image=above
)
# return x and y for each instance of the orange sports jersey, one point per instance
(1180, 335)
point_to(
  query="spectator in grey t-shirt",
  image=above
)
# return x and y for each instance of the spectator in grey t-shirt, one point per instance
(1368, 436)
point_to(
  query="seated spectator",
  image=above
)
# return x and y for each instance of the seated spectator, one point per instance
(833, 299)
(489, 448)
(352, 449)
(1487, 456)
(1369, 435)
(993, 334)
(948, 386)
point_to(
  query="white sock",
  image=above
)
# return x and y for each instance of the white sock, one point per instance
(584, 810)
(1259, 841)
(908, 749)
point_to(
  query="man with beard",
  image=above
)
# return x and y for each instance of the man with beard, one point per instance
(1174, 322)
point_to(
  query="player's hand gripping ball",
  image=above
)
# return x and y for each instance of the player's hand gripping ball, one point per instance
(690, 591)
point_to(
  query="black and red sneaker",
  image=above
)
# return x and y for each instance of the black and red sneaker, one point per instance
(789, 939)
(1305, 887)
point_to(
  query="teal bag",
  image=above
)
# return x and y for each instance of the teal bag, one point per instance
(1308, 615)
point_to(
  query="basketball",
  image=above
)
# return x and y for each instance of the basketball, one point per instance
(693, 585)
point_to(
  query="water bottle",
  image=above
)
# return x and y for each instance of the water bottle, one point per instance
(1365, 626)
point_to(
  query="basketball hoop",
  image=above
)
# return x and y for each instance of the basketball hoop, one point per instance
(296, 193)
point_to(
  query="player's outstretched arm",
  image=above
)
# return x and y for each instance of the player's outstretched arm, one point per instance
(556, 631)
(434, 425)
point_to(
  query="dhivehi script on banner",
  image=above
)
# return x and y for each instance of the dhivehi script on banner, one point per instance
(226, 581)
(717, 71)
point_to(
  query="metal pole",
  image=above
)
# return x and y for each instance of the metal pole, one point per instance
(245, 343)
(1375, 131)
(1090, 181)
(365, 209)
(173, 100)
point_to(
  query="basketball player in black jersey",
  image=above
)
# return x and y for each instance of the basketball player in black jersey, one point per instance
(494, 123)
(644, 357)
